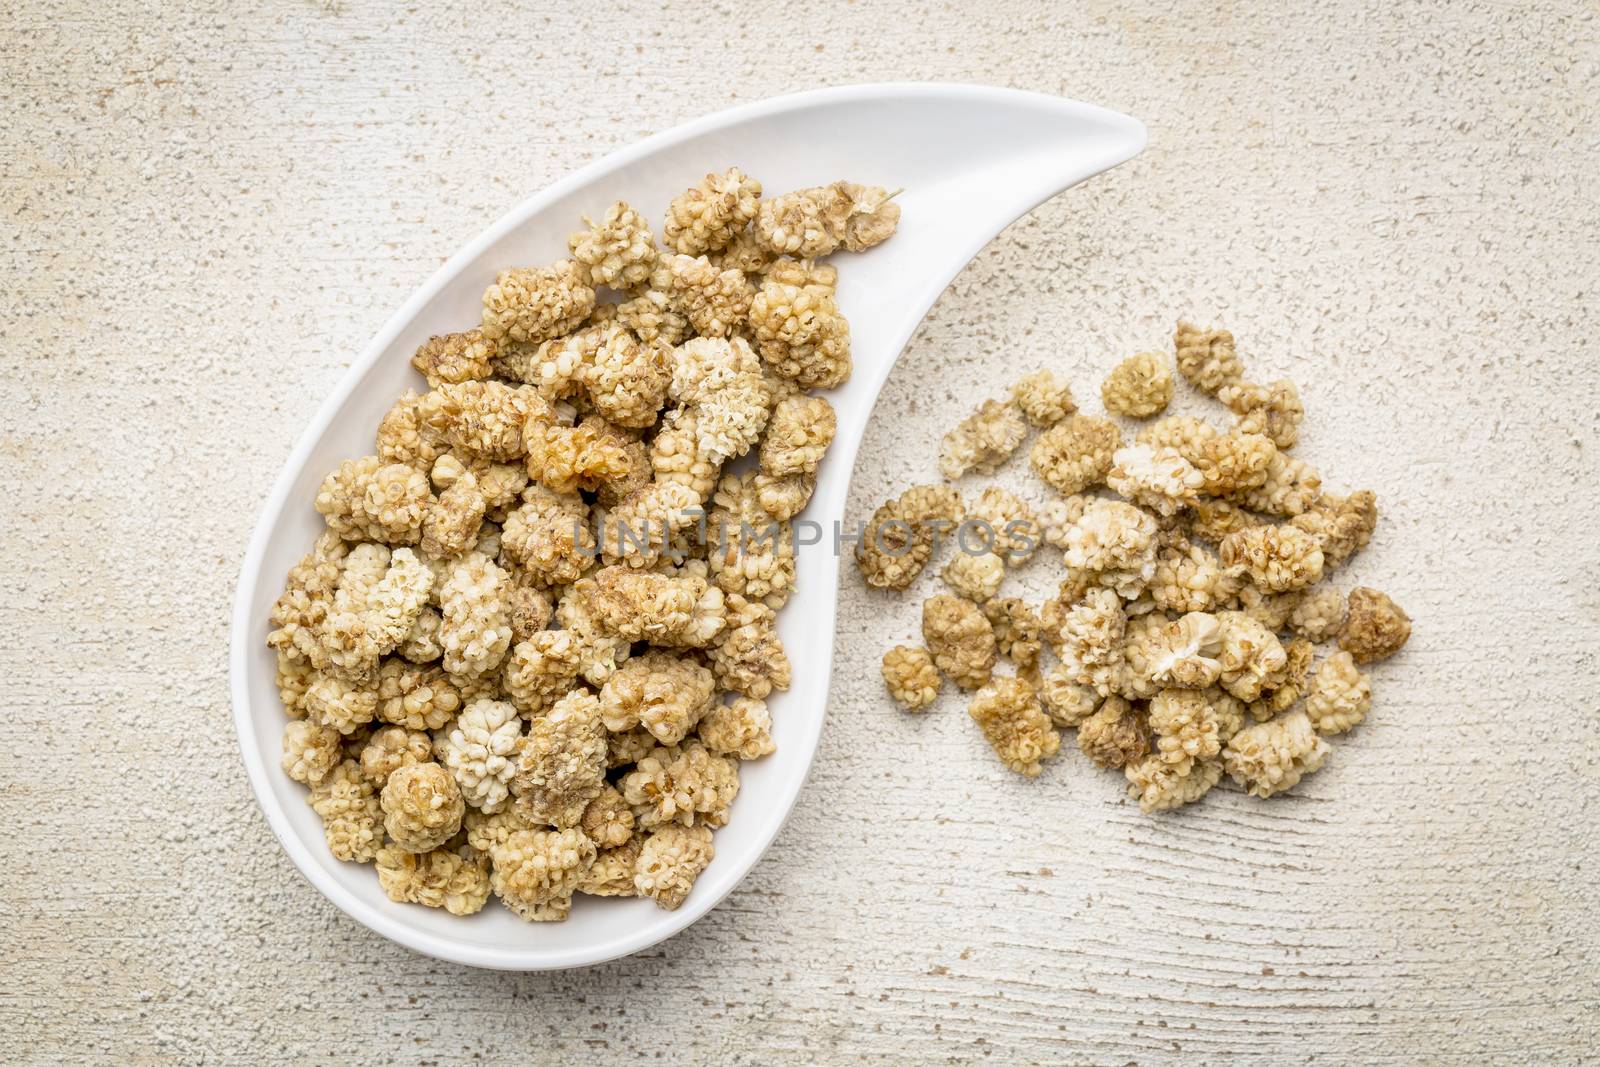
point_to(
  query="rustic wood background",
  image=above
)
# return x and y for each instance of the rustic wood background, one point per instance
(208, 208)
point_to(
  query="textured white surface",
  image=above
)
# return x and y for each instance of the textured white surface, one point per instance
(205, 213)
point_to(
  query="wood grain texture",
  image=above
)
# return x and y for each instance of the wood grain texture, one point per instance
(208, 208)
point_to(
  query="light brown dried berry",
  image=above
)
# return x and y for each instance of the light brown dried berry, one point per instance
(452, 522)
(422, 807)
(1115, 735)
(370, 500)
(534, 304)
(975, 576)
(484, 420)
(783, 497)
(741, 727)
(537, 871)
(912, 679)
(1252, 659)
(619, 250)
(1272, 410)
(1017, 630)
(1065, 701)
(562, 765)
(548, 538)
(670, 860)
(799, 432)
(665, 693)
(437, 879)
(707, 216)
(715, 301)
(1044, 399)
(1376, 628)
(983, 440)
(607, 820)
(1212, 520)
(931, 505)
(1185, 726)
(339, 704)
(1076, 453)
(1113, 545)
(1285, 691)
(625, 380)
(1272, 757)
(390, 748)
(1008, 712)
(892, 551)
(310, 751)
(1161, 785)
(681, 785)
(352, 819)
(1342, 525)
(456, 357)
(404, 438)
(611, 874)
(1319, 615)
(801, 334)
(748, 657)
(1003, 522)
(1158, 479)
(960, 638)
(1291, 486)
(1340, 695)
(810, 223)
(1206, 357)
(1183, 654)
(1279, 559)
(1187, 577)
(543, 669)
(1139, 386)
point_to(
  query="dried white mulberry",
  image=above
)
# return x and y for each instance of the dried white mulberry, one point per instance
(422, 807)
(1008, 712)
(911, 677)
(1139, 386)
(1272, 757)
(480, 750)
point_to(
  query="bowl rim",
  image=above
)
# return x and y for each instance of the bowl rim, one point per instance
(241, 647)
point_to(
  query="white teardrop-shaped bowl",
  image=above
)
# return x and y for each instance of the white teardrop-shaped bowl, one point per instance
(970, 160)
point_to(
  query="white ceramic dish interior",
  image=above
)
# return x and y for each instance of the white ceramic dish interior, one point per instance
(970, 160)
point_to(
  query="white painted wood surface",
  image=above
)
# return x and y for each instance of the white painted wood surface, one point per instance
(207, 209)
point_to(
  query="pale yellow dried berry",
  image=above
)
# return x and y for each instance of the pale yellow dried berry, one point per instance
(1044, 399)
(476, 627)
(456, 357)
(598, 652)
(892, 551)
(935, 505)
(983, 440)
(404, 438)
(975, 576)
(294, 678)
(1272, 757)
(437, 879)
(1206, 357)
(715, 301)
(741, 727)
(549, 538)
(339, 704)
(1076, 453)
(1017, 630)
(629, 746)
(486, 832)
(670, 860)
(783, 497)
(1058, 515)
(542, 669)
(1319, 615)
(1184, 653)
(1375, 627)
(800, 333)
(799, 432)
(555, 367)
(1340, 695)
(416, 697)
(611, 874)
(1342, 525)
(534, 304)
(390, 748)
(1003, 522)
(1008, 712)
(352, 818)
(1291, 486)
(1187, 577)
(814, 222)
(480, 750)
(912, 679)
(960, 638)
(707, 216)
(310, 751)
(665, 693)
(1212, 520)
(453, 521)
(681, 785)
(619, 250)
(1156, 478)
(638, 530)
(562, 764)
(535, 872)
(1252, 658)
(1185, 726)
(653, 315)
(422, 807)
(370, 500)
(1139, 386)
(744, 253)
(1161, 785)
(748, 657)
(568, 459)
(483, 420)
(1272, 410)
(1066, 702)
(625, 380)
(1113, 545)
(1278, 559)
(397, 601)
(1087, 637)
(607, 820)
(1115, 735)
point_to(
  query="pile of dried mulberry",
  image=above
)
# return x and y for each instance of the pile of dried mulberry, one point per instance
(536, 639)
(1193, 591)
